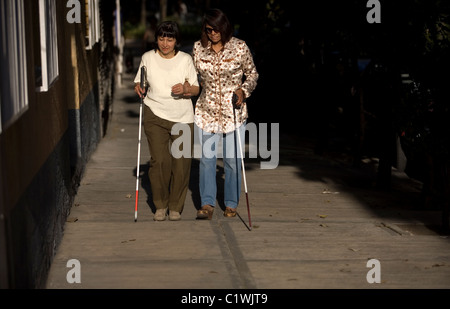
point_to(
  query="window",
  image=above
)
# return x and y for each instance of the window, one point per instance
(13, 62)
(92, 23)
(48, 70)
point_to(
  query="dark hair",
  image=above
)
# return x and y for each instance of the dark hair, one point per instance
(168, 29)
(219, 21)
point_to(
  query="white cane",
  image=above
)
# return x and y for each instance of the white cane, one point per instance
(143, 84)
(234, 100)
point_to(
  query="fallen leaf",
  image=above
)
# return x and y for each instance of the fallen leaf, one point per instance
(326, 191)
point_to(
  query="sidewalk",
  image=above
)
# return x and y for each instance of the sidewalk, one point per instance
(316, 223)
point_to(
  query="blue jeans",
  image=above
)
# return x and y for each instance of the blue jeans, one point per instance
(232, 166)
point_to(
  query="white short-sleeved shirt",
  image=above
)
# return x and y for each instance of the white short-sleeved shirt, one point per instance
(162, 74)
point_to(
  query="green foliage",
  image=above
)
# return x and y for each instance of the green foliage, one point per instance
(132, 31)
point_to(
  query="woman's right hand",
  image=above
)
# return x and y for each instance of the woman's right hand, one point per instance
(139, 91)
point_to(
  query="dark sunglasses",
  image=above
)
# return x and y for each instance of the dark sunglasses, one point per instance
(210, 30)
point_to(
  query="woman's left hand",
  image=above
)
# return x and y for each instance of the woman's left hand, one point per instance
(178, 89)
(182, 89)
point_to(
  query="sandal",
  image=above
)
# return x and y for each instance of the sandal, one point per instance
(229, 212)
(205, 212)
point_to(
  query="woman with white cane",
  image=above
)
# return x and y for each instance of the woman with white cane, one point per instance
(225, 65)
(171, 80)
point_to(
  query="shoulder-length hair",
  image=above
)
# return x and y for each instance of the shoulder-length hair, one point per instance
(168, 29)
(219, 21)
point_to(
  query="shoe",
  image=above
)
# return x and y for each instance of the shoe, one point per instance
(229, 212)
(205, 212)
(174, 216)
(160, 215)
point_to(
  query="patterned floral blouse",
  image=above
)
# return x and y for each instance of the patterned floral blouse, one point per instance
(221, 74)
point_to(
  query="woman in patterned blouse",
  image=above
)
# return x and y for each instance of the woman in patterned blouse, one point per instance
(225, 66)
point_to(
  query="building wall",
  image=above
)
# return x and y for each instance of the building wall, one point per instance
(43, 153)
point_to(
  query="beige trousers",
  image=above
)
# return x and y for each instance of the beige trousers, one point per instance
(169, 176)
